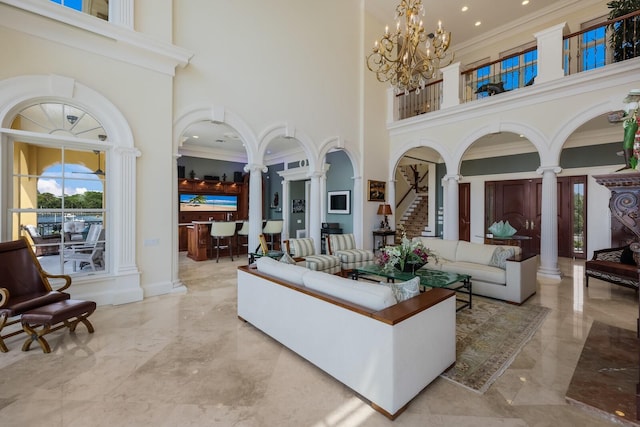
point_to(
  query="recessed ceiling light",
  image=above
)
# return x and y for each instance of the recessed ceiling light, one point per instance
(464, 8)
(525, 2)
(195, 137)
(477, 24)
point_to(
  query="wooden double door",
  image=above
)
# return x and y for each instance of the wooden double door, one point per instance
(520, 203)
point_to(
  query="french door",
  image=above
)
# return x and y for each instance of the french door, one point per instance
(520, 203)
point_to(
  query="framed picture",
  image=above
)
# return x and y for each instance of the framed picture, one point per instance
(339, 202)
(377, 191)
(297, 206)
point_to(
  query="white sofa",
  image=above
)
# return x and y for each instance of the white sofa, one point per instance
(514, 283)
(385, 351)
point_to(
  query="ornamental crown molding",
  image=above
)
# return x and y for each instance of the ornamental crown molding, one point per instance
(76, 30)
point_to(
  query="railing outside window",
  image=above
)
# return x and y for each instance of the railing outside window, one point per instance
(592, 47)
(505, 74)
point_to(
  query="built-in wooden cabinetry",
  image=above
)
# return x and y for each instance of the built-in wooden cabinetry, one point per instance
(204, 187)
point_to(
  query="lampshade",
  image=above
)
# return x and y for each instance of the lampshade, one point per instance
(384, 209)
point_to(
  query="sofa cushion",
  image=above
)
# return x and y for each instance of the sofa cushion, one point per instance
(286, 258)
(302, 247)
(626, 257)
(327, 263)
(355, 256)
(444, 249)
(485, 273)
(500, 255)
(341, 242)
(370, 295)
(404, 290)
(289, 272)
(474, 252)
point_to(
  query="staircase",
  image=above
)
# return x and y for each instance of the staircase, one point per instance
(415, 220)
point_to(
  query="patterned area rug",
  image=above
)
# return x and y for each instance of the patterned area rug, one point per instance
(488, 338)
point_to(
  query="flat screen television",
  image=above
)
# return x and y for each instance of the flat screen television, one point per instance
(339, 202)
(208, 202)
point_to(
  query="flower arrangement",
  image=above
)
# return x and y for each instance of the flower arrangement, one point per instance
(406, 255)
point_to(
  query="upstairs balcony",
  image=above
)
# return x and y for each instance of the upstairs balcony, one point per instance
(551, 56)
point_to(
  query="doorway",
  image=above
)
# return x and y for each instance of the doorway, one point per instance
(520, 203)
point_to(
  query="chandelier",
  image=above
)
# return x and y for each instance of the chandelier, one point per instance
(407, 60)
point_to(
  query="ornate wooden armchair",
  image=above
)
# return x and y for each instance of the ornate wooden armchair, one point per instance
(24, 285)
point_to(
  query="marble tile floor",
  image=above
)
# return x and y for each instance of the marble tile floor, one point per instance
(187, 360)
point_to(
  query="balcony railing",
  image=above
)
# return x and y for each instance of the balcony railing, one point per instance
(597, 46)
(602, 44)
(429, 99)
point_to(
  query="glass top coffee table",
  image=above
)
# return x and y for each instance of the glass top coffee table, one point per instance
(428, 278)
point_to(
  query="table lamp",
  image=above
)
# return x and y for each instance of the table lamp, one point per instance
(384, 209)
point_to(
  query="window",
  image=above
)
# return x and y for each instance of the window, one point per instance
(97, 8)
(593, 48)
(59, 188)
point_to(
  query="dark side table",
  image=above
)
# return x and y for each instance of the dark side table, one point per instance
(382, 234)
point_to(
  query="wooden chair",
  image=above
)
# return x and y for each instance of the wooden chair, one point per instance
(24, 286)
(273, 230)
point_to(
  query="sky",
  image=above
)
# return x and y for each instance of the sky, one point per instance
(78, 179)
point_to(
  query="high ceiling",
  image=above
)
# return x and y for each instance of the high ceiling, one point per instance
(490, 13)
(493, 15)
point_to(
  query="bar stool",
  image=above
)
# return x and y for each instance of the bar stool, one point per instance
(222, 230)
(243, 232)
(271, 229)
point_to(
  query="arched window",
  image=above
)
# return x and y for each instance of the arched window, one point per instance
(59, 187)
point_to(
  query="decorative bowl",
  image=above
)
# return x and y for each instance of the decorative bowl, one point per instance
(502, 229)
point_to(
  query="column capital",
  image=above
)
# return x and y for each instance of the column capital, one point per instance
(544, 169)
(255, 167)
(452, 177)
(128, 151)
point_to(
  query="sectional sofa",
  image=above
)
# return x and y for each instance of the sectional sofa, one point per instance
(500, 272)
(385, 351)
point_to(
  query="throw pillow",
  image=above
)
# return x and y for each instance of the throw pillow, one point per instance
(626, 257)
(500, 255)
(286, 258)
(404, 290)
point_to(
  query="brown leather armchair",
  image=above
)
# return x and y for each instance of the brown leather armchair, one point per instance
(24, 285)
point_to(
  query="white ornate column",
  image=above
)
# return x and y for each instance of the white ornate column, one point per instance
(123, 234)
(450, 226)
(255, 202)
(285, 203)
(549, 222)
(176, 283)
(314, 214)
(121, 13)
(390, 198)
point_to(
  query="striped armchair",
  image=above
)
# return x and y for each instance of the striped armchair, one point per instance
(344, 246)
(304, 248)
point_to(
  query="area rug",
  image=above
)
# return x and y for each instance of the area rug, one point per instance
(488, 338)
